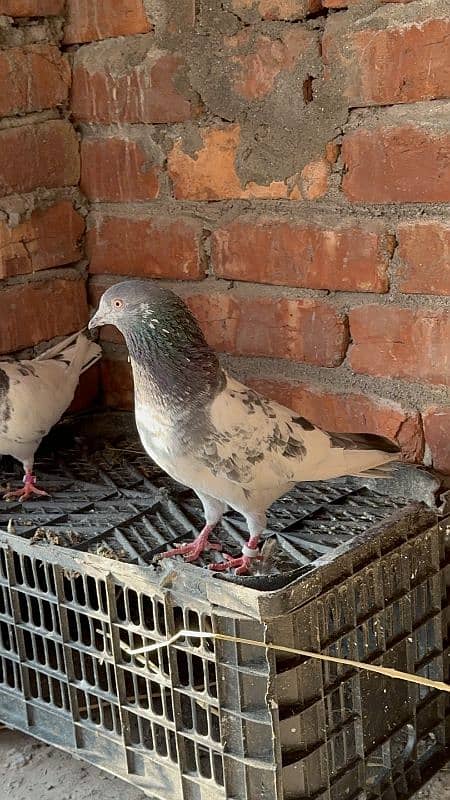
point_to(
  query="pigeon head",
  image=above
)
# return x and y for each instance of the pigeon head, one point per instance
(164, 339)
(132, 304)
(147, 311)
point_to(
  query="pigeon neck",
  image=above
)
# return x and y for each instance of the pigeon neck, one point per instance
(168, 376)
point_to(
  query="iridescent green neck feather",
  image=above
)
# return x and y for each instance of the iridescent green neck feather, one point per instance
(170, 357)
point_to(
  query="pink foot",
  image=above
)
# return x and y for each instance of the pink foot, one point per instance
(28, 490)
(193, 550)
(241, 563)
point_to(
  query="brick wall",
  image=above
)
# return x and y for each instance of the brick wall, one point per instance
(42, 213)
(284, 164)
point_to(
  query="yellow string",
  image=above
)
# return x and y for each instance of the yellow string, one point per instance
(387, 671)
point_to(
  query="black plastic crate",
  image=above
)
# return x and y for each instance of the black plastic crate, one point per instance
(355, 574)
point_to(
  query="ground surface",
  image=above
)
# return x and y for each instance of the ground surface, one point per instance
(437, 789)
(29, 769)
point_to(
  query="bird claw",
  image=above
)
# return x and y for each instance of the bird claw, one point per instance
(242, 564)
(192, 550)
(197, 551)
(24, 494)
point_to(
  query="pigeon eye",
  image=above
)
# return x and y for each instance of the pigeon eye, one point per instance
(117, 303)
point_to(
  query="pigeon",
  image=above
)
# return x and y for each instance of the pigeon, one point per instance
(228, 443)
(34, 395)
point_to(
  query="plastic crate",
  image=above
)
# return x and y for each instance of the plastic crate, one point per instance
(216, 720)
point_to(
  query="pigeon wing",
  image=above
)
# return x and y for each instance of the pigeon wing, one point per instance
(257, 441)
(251, 439)
(34, 394)
(37, 396)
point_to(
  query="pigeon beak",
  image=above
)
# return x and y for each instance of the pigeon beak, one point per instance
(95, 322)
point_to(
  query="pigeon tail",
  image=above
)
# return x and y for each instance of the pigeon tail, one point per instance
(335, 455)
(77, 351)
(367, 462)
(58, 347)
(363, 441)
(385, 471)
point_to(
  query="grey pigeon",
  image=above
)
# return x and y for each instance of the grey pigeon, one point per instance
(33, 397)
(208, 431)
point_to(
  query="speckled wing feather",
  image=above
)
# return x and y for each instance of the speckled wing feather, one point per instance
(251, 437)
(259, 443)
(247, 451)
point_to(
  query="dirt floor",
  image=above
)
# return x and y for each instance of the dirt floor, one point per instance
(30, 769)
(437, 789)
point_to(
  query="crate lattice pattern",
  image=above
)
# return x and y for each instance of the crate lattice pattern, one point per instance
(116, 499)
(216, 720)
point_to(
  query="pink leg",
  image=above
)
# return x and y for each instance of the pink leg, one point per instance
(242, 563)
(28, 490)
(193, 550)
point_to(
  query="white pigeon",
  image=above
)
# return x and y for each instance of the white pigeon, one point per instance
(208, 431)
(33, 397)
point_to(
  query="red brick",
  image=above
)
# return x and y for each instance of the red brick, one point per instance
(401, 343)
(314, 179)
(339, 413)
(349, 412)
(300, 330)
(117, 169)
(48, 157)
(117, 384)
(424, 253)
(405, 164)
(290, 10)
(32, 78)
(258, 60)
(38, 311)
(131, 82)
(402, 63)
(156, 247)
(91, 20)
(344, 256)
(351, 3)
(436, 423)
(332, 152)
(211, 173)
(87, 392)
(31, 8)
(49, 238)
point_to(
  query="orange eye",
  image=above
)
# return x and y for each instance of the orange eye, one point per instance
(118, 303)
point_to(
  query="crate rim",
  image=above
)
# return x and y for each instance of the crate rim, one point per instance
(233, 594)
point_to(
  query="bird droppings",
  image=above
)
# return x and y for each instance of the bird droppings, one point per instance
(108, 552)
(63, 539)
